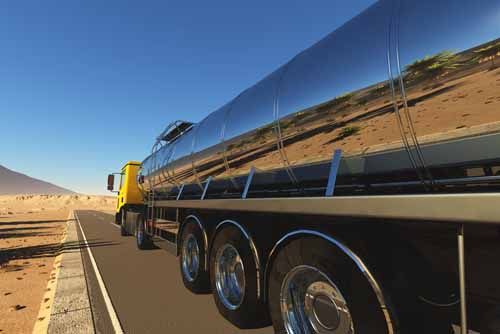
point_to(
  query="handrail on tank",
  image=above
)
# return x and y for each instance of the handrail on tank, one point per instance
(174, 130)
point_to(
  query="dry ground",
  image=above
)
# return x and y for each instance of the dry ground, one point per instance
(31, 230)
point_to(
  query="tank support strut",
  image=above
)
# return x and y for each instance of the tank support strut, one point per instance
(206, 188)
(247, 184)
(332, 177)
(461, 275)
(180, 192)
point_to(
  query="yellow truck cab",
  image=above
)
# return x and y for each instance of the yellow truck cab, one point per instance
(129, 194)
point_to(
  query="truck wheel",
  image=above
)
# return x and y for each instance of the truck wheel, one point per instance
(192, 259)
(118, 217)
(490, 324)
(426, 301)
(316, 288)
(123, 223)
(143, 240)
(233, 277)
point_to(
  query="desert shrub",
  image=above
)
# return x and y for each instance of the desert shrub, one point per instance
(349, 131)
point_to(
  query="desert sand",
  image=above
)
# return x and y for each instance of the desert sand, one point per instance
(32, 228)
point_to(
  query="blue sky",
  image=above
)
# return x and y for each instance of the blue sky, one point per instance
(87, 85)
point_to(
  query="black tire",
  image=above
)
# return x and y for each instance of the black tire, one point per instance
(200, 282)
(123, 223)
(118, 217)
(417, 316)
(143, 240)
(366, 313)
(491, 322)
(416, 290)
(251, 312)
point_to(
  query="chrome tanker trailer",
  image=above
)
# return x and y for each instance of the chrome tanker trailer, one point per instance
(356, 189)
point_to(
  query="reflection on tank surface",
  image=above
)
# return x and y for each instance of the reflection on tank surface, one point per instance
(180, 167)
(452, 95)
(451, 83)
(249, 134)
(408, 103)
(254, 148)
(336, 95)
(153, 166)
(208, 148)
(358, 122)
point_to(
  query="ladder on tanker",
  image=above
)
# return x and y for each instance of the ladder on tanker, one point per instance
(150, 211)
(173, 131)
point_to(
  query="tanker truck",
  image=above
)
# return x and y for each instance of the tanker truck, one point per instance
(356, 189)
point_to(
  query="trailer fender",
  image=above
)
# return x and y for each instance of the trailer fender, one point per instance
(347, 251)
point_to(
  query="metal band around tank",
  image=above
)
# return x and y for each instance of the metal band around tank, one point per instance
(223, 141)
(394, 94)
(169, 176)
(359, 263)
(252, 248)
(404, 98)
(279, 138)
(193, 167)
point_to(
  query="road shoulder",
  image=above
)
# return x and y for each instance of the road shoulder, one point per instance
(70, 311)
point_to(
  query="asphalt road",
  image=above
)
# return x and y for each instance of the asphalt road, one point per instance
(145, 287)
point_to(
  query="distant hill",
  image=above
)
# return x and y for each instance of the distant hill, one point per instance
(12, 182)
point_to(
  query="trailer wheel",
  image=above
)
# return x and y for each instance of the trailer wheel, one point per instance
(123, 223)
(314, 287)
(192, 259)
(426, 301)
(490, 324)
(143, 240)
(233, 277)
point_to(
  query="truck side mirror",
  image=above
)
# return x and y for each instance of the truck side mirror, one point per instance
(111, 182)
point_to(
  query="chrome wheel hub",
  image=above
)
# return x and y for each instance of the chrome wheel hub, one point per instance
(229, 276)
(190, 258)
(312, 303)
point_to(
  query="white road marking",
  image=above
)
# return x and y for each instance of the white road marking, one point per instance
(109, 305)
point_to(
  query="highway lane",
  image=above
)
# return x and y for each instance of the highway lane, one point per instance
(145, 287)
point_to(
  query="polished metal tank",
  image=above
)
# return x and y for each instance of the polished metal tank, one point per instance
(408, 90)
